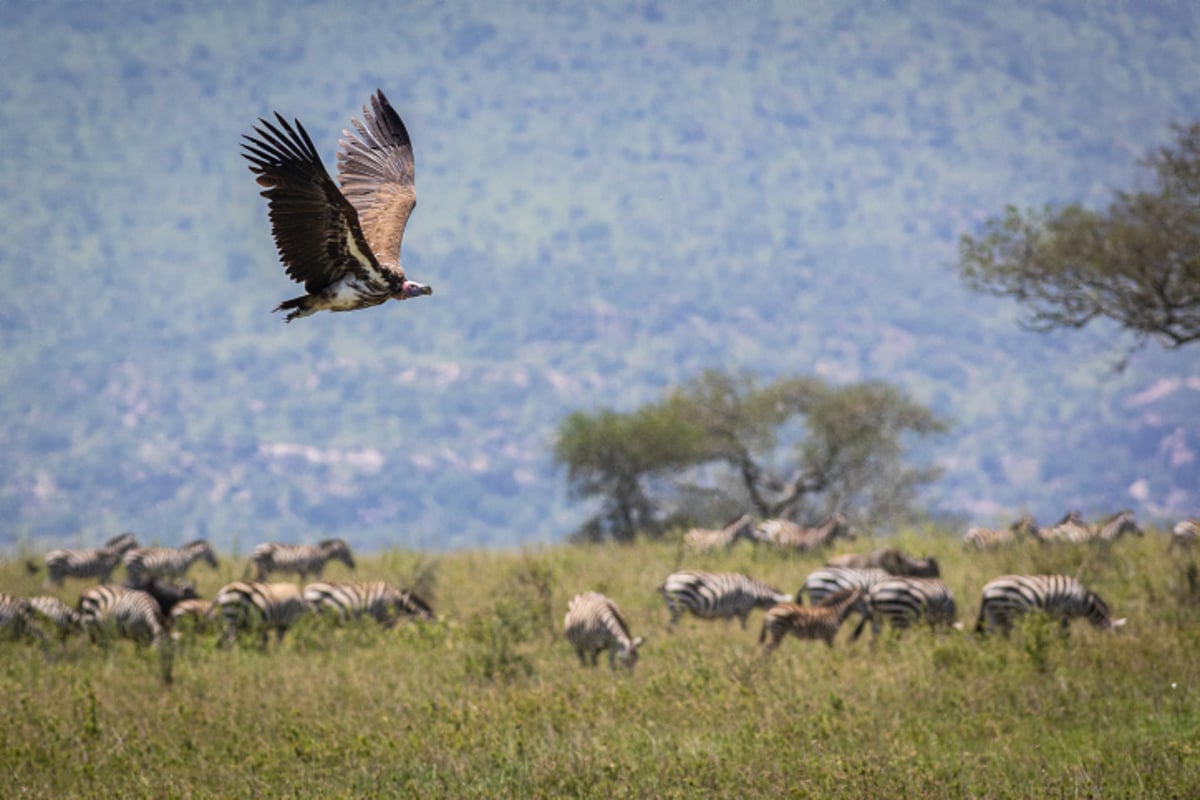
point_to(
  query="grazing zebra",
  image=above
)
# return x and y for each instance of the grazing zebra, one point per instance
(259, 607)
(1074, 530)
(1184, 535)
(593, 623)
(133, 614)
(302, 559)
(144, 563)
(892, 560)
(903, 601)
(789, 535)
(703, 540)
(98, 562)
(993, 539)
(96, 603)
(810, 622)
(65, 619)
(1059, 596)
(822, 583)
(379, 600)
(717, 595)
(18, 621)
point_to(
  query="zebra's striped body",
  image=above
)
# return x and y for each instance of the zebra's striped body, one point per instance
(994, 539)
(790, 536)
(830, 580)
(1074, 530)
(377, 599)
(91, 563)
(301, 559)
(1184, 534)
(717, 595)
(892, 560)
(142, 564)
(96, 603)
(18, 621)
(594, 623)
(133, 614)
(1059, 596)
(904, 601)
(260, 607)
(703, 540)
(810, 622)
(65, 619)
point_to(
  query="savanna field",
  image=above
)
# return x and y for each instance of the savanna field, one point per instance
(491, 701)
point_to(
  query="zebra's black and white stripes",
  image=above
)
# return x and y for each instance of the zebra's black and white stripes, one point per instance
(259, 607)
(65, 619)
(1060, 596)
(594, 623)
(17, 620)
(827, 581)
(98, 562)
(116, 611)
(789, 536)
(810, 622)
(142, 564)
(301, 559)
(717, 595)
(996, 538)
(379, 600)
(901, 602)
(703, 540)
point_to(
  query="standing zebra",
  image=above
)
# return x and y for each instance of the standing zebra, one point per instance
(1072, 529)
(830, 580)
(379, 600)
(194, 614)
(259, 607)
(993, 539)
(98, 562)
(810, 622)
(17, 620)
(65, 619)
(593, 623)
(302, 559)
(891, 559)
(903, 601)
(132, 614)
(96, 603)
(717, 595)
(144, 563)
(1184, 534)
(1059, 596)
(703, 540)
(790, 536)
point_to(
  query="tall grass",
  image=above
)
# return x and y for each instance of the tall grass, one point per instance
(491, 701)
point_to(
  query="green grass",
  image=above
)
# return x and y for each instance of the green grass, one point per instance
(491, 702)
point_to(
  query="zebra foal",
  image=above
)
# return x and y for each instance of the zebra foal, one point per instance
(594, 623)
(1061, 597)
(717, 595)
(822, 621)
(379, 600)
(301, 559)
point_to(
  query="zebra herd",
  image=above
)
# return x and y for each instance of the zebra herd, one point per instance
(153, 607)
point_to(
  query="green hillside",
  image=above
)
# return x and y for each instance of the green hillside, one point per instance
(611, 199)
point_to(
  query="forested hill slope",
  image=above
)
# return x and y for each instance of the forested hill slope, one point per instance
(612, 197)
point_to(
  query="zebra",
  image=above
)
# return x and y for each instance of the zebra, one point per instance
(379, 600)
(1184, 534)
(96, 603)
(303, 559)
(892, 560)
(703, 540)
(145, 563)
(789, 535)
(992, 539)
(194, 614)
(1071, 528)
(594, 623)
(65, 619)
(18, 620)
(1074, 530)
(810, 622)
(1060, 596)
(902, 601)
(260, 607)
(830, 580)
(133, 614)
(717, 595)
(97, 562)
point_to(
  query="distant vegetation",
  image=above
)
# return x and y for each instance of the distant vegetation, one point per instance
(613, 199)
(491, 701)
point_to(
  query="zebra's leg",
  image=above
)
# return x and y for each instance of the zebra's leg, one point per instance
(579, 651)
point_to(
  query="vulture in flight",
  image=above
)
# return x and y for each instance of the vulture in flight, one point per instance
(342, 244)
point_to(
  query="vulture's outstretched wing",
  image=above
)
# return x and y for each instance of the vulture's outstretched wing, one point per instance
(375, 169)
(316, 229)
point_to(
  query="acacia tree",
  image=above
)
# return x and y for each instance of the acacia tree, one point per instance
(1138, 263)
(719, 445)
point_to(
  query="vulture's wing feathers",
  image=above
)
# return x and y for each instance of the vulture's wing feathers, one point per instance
(316, 229)
(375, 169)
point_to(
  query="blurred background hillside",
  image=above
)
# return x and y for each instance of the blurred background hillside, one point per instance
(612, 197)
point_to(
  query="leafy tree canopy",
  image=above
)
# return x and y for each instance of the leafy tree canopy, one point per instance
(1138, 263)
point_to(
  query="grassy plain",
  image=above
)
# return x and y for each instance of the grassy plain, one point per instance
(491, 701)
